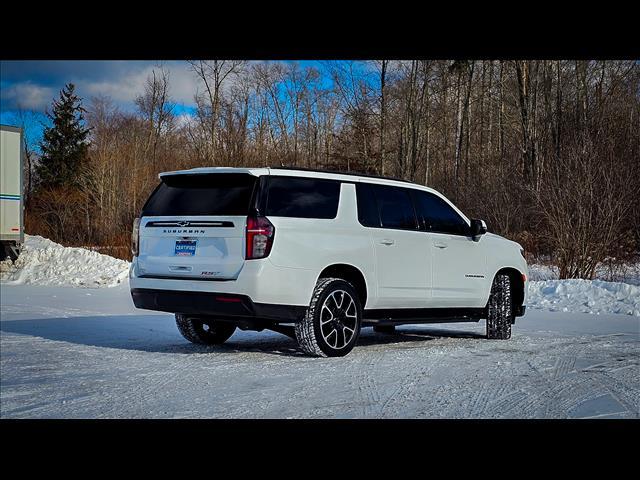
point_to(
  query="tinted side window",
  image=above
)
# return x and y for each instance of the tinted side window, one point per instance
(395, 207)
(367, 207)
(436, 215)
(302, 197)
(202, 194)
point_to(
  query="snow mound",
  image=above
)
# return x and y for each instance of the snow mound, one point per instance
(43, 262)
(627, 272)
(587, 296)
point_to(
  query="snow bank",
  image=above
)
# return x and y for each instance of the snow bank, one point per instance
(587, 296)
(43, 262)
(625, 272)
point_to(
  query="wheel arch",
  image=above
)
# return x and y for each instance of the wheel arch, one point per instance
(351, 274)
(517, 284)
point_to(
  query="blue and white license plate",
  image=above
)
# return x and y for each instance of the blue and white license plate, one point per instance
(185, 248)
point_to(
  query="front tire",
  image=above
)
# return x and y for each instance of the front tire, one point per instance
(331, 325)
(204, 331)
(500, 309)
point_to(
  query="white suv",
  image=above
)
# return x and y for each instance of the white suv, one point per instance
(316, 256)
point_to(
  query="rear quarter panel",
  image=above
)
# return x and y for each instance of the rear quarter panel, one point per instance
(314, 244)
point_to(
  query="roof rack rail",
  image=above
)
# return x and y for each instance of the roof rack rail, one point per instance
(337, 172)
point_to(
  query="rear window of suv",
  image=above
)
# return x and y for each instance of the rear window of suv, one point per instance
(224, 194)
(302, 197)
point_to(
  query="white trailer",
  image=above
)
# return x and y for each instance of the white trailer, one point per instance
(11, 197)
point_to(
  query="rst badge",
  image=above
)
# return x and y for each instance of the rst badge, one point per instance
(185, 248)
(210, 274)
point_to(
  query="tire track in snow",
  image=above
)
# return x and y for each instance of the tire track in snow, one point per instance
(361, 372)
(410, 386)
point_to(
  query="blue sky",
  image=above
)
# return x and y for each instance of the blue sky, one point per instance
(32, 85)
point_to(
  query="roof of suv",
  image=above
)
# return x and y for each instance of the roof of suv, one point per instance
(311, 173)
(297, 172)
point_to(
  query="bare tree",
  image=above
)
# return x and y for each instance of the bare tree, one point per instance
(214, 74)
(156, 108)
(546, 151)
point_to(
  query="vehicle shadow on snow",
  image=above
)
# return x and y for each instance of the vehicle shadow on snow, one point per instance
(158, 334)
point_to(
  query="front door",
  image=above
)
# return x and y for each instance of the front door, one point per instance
(459, 270)
(458, 262)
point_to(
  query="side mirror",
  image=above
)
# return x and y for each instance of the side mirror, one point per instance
(478, 227)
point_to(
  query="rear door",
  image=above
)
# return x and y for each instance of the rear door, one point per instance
(403, 260)
(193, 226)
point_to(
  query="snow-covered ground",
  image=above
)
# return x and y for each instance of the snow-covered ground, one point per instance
(87, 352)
(80, 353)
(43, 262)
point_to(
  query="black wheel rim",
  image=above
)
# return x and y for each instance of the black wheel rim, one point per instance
(338, 319)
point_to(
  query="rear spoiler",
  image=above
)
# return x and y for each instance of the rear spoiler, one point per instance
(209, 170)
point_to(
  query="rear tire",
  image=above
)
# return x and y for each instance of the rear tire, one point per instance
(500, 309)
(331, 325)
(204, 331)
(389, 329)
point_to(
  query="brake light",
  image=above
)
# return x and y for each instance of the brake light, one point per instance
(135, 237)
(260, 233)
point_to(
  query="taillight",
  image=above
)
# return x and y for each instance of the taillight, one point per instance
(260, 232)
(135, 237)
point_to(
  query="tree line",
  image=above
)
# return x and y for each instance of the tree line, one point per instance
(547, 152)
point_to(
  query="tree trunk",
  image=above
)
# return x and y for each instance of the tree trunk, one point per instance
(383, 78)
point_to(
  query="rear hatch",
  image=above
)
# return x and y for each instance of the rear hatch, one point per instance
(193, 226)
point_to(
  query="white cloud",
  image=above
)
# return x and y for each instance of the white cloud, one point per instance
(33, 85)
(26, 96)
(124, 88)
(183, 119)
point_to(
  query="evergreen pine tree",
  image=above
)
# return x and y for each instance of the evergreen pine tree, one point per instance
(64, 144)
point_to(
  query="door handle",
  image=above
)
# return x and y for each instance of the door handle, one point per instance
(387, 241)
(440, 245)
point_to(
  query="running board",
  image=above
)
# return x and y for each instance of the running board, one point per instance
(402, 316)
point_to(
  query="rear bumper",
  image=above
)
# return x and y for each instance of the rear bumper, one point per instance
(259, 280)
(214, 304)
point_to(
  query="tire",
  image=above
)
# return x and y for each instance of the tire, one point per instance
(329, 329)
(204, 331)
(499, 309)
(389, 329)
